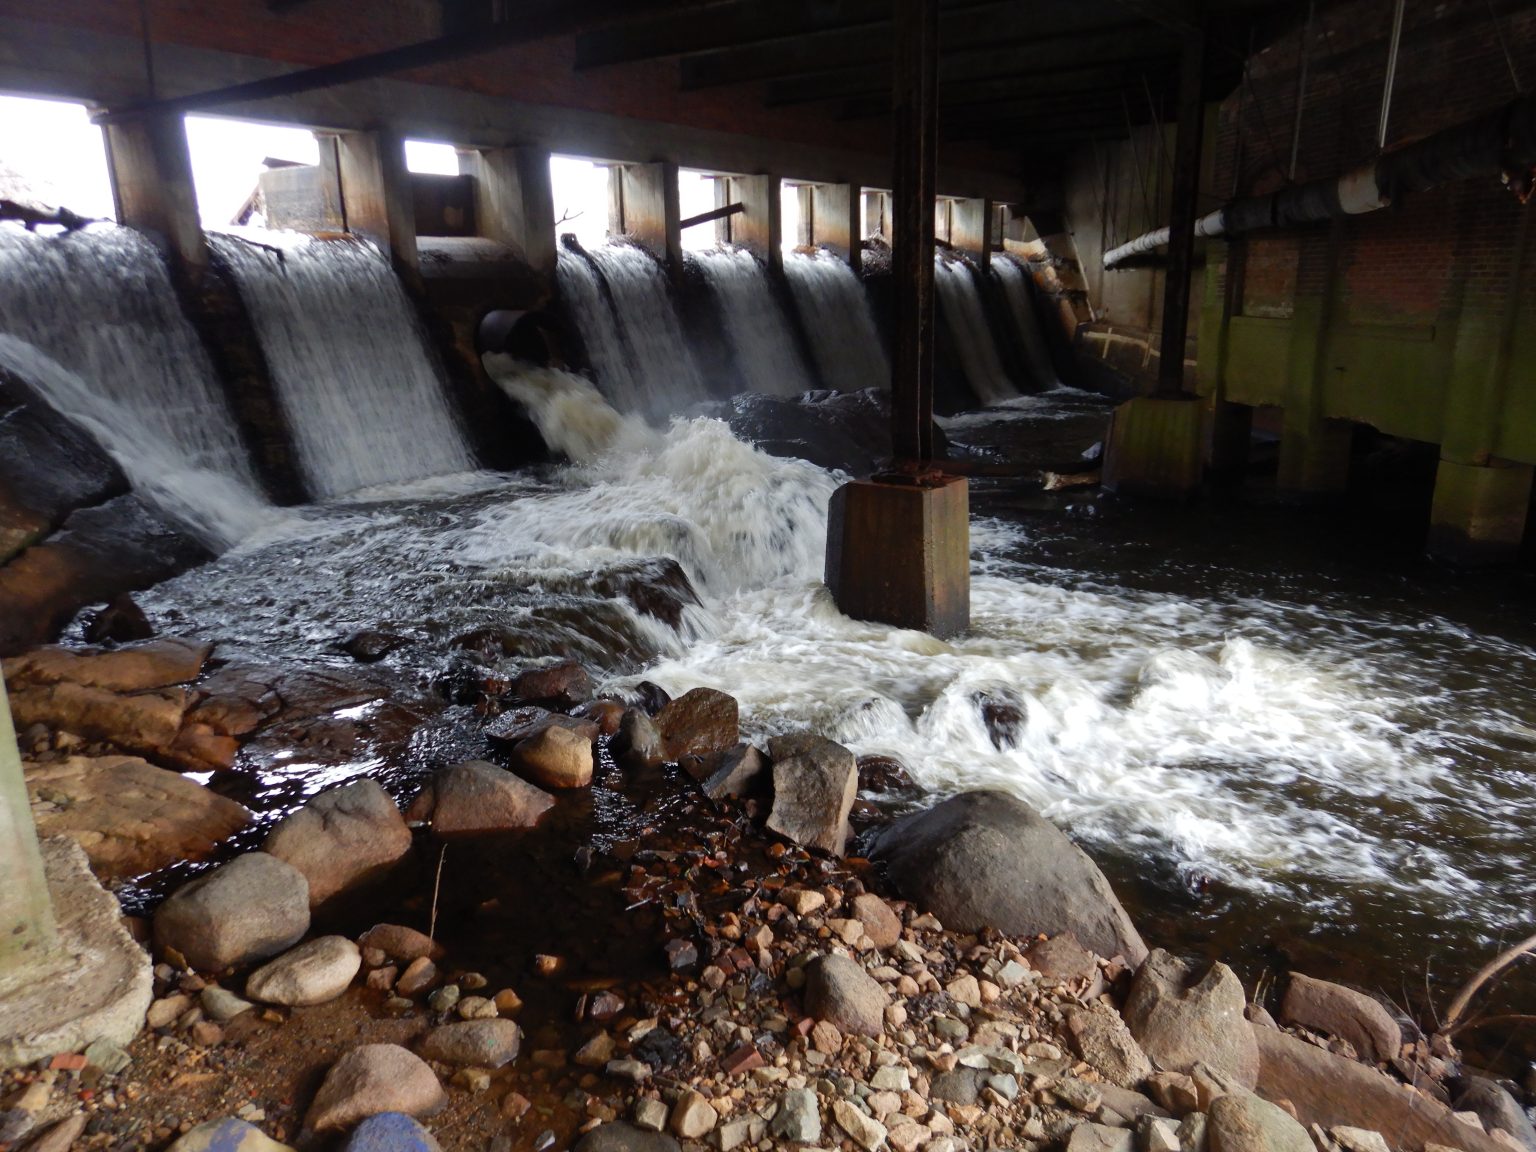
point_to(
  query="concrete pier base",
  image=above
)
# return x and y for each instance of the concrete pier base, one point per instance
(901, 554)
(1314, 458)
(1479, 511)
(1154, 447)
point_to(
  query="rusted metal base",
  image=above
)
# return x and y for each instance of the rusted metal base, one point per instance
(899, 553)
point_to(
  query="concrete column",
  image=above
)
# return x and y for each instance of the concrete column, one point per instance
(1314, 450)
(877, 211)
(835, 221)
(648, 208)
(376, 194)
(1479, 511)
(151, 171)
(970, 229)
(1228, 426)
(943, 220)
(514, 202)
(1154, 447)
(759, 227)
(1179, 274)
(805, 199)
(27, 933)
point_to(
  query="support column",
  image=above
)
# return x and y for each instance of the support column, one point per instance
(376, 194)
(514, 202)
(1314, 450)
(1479, 511)
(27, 934)
(877, 211)
(1228, 426)
(649, 210)
(835, 221)
(151, 172)
(970, 229)
(759, 227)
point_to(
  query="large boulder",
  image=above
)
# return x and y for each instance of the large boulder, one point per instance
(312, 973)
(1241, 1122)
(147, 723)
(373, 1079)
(1182, 1017)
(815, 782)
(1496, 1108)
(698, 723)
(989, 859)
(251, 908)
(341, 838)
(477, 797)
(1342, 1012)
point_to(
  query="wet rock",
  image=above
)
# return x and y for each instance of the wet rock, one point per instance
(621, 1137)
(814, 784)
(132, 668)
(840, 992)
(341, 838)
(883, 774)
(374, 1079)
(312, 973)
(400, 943)
(1003, 715)
(651, 697)
(518, 724)
(481, 1043)
(797, 1118)
(1496, 1108)
(1241, 1122)
(698, 723)
(737, 772)
(562, 686)
(1182, 1018)
(120, 621)
(606, 714)
(1101, 1038)
(638, 744)
(987, 858)
(556, 757)
(881, 925)
(1339, 1011)
(477, 797)
(145, 722)
(227, 1135)
(128, 815)
(370, 647)
(251, 908)
(655, 586)
(390, 1132)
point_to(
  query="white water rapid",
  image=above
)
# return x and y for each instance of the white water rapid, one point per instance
(1026, 322)
(966, 319)
(834, 310)
(363, 393)
(762, 342)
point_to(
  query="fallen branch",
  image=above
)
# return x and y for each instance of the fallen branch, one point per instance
(1482, 976)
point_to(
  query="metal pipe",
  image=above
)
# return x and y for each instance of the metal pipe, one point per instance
(1386, 89)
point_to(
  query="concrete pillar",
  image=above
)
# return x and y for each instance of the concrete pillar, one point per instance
(1154, 447)
(877, 214)
(514, 202)
(835, 221)
(759, 227)
(27, 933)
(1228, 426)
(805, 200)
(943, 220)
(376, 194)
(1179, 274)
(1314, 450)
(648, 209)
(151, 171)
(1479, 511)
(970, 229)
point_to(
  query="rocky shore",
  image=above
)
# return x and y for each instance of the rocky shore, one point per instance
(755, 961)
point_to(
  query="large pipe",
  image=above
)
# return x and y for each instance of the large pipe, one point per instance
(1498, 143)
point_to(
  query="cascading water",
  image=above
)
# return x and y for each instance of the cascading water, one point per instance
(967, 321)
(834, 310)
(1026, 322)
(363, 394)
(90, 319)
(767, 360)
(632, 334)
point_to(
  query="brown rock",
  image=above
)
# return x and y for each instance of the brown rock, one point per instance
(341, 838)
(698, 723)
(881, 925)
(563, 685)
(1345, 1013)
(1182, 1017)
(840, 992)
(1101, 1038)
(478, 797)
(401, 943)
(199, 748)
(1062, 958)
(556, 757)
(814, 784)
(132, 668)
(146, 723)
(606, 714)
(372, 1079)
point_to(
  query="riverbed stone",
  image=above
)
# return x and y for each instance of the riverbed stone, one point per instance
(221, 1005)
(865, 1131)
(556, 757)
(229, 1134)
(1101, 1038)
(485, 1043)
(401, 944)
(1182, 1017)
(797, 1119)
(1241, 1122)
(253, 907)
(140, 667)
(477, 797)
(1339, 1011)
(692, 1116)
(146, 723)
(736, 772)
(563, 685)
(621, 1137)
(1496, 1108)
(638, 744)
(815, 781)
(840, 992)
(988, 859)
(313, 973)
(391, 1132)
(341, 838)
(1092, 1137)
(881, 924)
(372, 1079)
(698, 723)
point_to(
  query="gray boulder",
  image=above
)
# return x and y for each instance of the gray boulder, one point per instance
(988, 859)
(251, 908)
(1182, 1018)
(1496, 1108)
(814, 784)
(341, 838)
(312, 973)
(736, 772)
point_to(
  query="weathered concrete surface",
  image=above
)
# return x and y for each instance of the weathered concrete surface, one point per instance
(1479, 511)
(1154, 448)
(26, 920)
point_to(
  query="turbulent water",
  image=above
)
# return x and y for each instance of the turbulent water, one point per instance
(762, 342)
(632, 332)
(1026, 322)
(363, 393)
(966, 318)
(834, 310)
(89, 318)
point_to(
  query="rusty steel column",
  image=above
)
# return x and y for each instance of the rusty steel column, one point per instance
(1181, 224)
(914, 100)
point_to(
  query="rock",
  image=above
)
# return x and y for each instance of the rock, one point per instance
(638, 744)
(312, 973)
(803, 901)
(108, 1057)
(596, 1052)
(477, 797)
(692, 1117)
(1062, 959)
(562, 685)
(621, 1137)
(698, 723)
(400, 943)
(128, 815)
(517, 724)
(814, 785)
(881, 925)
(606, 713)
(1241, 1122)
(1359, 1139)
(131, 668)
(251, 908)
(867, 1132)
(1338, 1011)
(1174, 1091)
(738, 772)
(390, 1132)
(369, 647)
(227, 1135)
(120, 621)
(1101, 1138)
(986, 858)
(370, 1080)
(965, 990)
(62, 1136)
(146, 722)
(797, 1119)
(958, 1086)
(341, 838)
(556, 757)
(650, 1114)
(483, 1043)
(1181, 1020)
(1101, 1038)
(221, 1005)
(1496, 1108)
(840, 992)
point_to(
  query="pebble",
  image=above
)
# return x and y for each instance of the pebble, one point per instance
(650, 1114)
(865, 1131)
(692, 1116)
(444, 999)
(797, 1118)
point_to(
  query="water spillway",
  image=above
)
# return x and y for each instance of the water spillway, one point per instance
(762, 342)
(834, 310)
(1026, 322)
(966, 317)
(363, 394)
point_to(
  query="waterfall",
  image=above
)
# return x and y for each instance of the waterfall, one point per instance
(967, 321)
(632, 334)
(834, 309)
(91, 321)
(1026, 322)
(364, 396)
(759, 333)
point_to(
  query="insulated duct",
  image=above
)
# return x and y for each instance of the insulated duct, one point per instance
(1499, 143)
